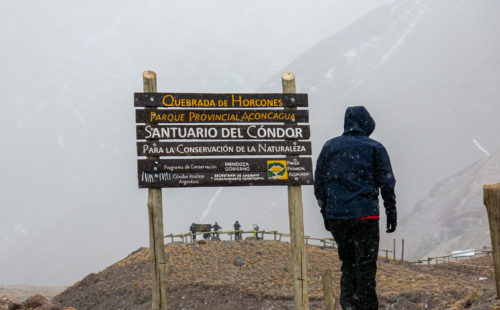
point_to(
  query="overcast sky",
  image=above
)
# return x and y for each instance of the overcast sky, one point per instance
(69, 203)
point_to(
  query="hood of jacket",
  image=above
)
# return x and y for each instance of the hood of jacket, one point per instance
(358, 121)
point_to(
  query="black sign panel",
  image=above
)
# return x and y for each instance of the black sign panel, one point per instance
(155, 173)
(200, 100)
(223, 148)
(221, 116)
(219, 132)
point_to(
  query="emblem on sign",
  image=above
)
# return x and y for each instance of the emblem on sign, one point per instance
(276, 170)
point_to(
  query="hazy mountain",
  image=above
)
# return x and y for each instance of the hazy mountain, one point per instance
(427, 70)
(453, 213)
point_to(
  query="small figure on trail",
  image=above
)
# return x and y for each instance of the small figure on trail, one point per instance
(255, 230)
(350, 171)
(237, 234)
(216, 228)
(192, 229)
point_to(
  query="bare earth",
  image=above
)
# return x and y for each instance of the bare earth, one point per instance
(205, 276)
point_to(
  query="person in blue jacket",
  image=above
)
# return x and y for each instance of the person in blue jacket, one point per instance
(350, 171)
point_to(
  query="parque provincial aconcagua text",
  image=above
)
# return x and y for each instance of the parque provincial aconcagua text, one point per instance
(221, 116)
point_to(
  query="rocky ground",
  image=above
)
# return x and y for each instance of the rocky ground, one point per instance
(257, 275)
(36, 302)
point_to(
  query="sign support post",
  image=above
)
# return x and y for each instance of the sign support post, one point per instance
(299, 257)
(155, 211)
(491, 199)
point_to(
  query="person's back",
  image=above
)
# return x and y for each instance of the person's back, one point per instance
(350, 170)
(237, 227)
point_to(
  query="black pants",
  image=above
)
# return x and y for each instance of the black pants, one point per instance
(357, 242)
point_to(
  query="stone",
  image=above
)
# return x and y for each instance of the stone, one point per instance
(35, 301)
(38, 302)
(238, 261)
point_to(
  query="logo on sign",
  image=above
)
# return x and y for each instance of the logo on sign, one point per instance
(276, 170)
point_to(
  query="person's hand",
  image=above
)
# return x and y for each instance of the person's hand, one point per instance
(392, 220)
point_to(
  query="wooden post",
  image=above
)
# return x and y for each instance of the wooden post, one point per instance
(491, 197)
(386, 255)
(394, 249)
(156, 243)
(330, 301)
(402, 249)
(300, 287)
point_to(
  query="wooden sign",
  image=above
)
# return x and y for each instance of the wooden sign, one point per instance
(221, 116)
(208, 132)
(186, 100)
(223, 148)
(155, 173)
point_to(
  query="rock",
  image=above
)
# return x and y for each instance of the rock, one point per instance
(202, 242)
(238, 261)
(48, 306)
(14, 306)
(38, 302)
(8, 304)
(35, 301)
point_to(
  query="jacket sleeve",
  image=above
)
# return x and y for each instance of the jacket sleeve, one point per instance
(320, 179)
(385, 178)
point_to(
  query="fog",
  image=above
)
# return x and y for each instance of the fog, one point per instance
(69, 201)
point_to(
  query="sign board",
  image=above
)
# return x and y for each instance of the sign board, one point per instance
(220, 116)
(219, 132)
(463, 253)
(223, 148)
(202, 227)
(193, 101)
(224, 172)
(242, 118)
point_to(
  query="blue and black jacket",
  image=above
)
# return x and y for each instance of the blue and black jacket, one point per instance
(351, 169)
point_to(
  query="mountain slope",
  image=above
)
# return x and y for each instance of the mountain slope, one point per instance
(453, 213)
(427, 70)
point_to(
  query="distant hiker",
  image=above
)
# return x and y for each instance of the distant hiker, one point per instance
(192, 229)
(237, 234)
(349, 173)
(216, 228)
(255, 230)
